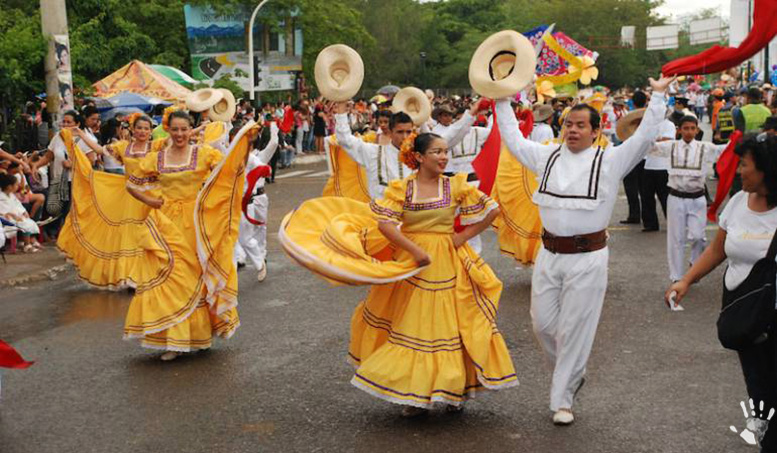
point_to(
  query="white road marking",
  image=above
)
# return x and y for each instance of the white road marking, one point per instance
(317, 175)
(293, 173)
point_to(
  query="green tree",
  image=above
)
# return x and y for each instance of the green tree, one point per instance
(22, 52)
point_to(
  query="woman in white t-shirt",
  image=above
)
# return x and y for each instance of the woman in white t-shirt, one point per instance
(747, 226)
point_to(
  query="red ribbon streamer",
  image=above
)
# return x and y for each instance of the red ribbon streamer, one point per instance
(487, 161)
(261, 171)
(9, 358)
(727, 169)
(718, 58)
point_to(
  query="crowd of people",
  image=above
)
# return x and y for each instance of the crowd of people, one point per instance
(408, 183)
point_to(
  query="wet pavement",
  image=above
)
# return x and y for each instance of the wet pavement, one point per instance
(657, 381)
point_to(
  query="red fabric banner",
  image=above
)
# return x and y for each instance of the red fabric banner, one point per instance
(486, 163)
(9, 358)
(719, 58)
(288, 120)
(727, 169)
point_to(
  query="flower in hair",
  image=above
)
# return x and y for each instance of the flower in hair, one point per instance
(407, 152)
(133, 117)
(166, 116)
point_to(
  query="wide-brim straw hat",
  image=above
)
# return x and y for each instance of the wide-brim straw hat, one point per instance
(414, 102)
(628, 124)
(502, 65)
(542, 112)
(339, 72)
(224, 109)
(203, 99)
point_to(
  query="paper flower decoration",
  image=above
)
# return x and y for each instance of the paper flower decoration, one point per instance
(588, 71)
(545, 89)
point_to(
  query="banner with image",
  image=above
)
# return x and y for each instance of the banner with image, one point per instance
(64, 72)
(218, 46)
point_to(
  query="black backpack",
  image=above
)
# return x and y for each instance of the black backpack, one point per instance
(749, 310)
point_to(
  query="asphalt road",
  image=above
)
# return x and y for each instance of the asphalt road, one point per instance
(657, 381)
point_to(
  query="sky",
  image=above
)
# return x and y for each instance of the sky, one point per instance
(681, 7)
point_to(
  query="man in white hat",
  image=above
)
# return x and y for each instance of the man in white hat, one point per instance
(444, 117)
(252, 237)
(542, 132)
(578, 187)
(381, 162)
(686, 205)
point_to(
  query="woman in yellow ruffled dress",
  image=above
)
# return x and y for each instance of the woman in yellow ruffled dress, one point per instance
(427, 331)
(180, 242)
(185, 316)
(81, 240)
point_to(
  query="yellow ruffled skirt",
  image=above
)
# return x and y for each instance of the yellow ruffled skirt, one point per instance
(178, 258)
(519, 228)
(108, 235)
(348, 178)
(423, 335)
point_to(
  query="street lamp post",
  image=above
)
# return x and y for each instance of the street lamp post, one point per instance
(251, 80)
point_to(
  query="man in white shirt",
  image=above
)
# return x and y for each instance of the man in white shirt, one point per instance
(444, 116)
(460, 161)
(542, 132)
(252, 237)
(689, 164)
(381, 162)
(578, 187)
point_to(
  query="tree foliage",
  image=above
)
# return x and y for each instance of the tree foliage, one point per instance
(391, 36)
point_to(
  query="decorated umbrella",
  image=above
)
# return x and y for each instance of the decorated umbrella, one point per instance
(389, 90)
(102, 104)
(144, 103)
(121, 111)
(174, 74)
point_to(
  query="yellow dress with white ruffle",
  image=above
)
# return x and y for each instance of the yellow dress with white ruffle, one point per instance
(179, 256)
(348, 178)
(197, 313)
(105, 233)
(519, 227)
(423, 335)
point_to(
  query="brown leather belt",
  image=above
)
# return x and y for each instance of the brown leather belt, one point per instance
(582, 243)
(680, 194)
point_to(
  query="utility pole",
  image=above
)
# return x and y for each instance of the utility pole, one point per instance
(53, 18)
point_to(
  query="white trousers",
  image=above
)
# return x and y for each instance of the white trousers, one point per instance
(686, 219)
(475, 242)
(252, 239)
(567, 295)
(298, 140)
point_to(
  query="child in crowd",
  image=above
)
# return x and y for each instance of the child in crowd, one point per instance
(11, 209)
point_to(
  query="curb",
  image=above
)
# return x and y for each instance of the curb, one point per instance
(307, 159)
(48, 274)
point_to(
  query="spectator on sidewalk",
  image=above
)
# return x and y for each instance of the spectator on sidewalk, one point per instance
(11, 209)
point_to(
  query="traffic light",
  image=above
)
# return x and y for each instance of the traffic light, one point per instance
(257, 72)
